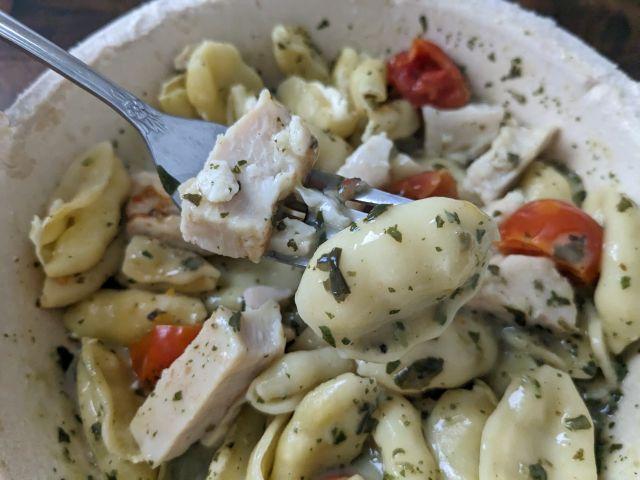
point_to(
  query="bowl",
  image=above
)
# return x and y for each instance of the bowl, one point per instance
(512, 57)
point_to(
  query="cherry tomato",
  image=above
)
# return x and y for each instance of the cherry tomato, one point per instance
(159, 348)
(558, 230)
(437, 183)
(425, 75)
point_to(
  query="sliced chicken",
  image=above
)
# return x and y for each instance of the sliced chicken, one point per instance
(151, 212)
(195, 392)
(461, 134)
(370, 161)
(267, 152)
(255, 297)
(527, 290)
(502, 208)
(511, 152)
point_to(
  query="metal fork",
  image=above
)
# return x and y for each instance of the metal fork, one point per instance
(178, 146)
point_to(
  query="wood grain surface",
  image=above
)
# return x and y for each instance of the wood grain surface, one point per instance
(611, 26)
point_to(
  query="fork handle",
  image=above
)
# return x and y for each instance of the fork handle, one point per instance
(138, 113)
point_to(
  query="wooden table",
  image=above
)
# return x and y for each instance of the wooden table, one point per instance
(611, 26)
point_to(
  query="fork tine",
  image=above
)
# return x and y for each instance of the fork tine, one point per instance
(372, 196)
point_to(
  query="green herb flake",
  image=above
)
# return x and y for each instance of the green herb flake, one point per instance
(579, 455)
(345, 341)
(624, 204)
(330, 315)
(480, 232)
(452, 217)
(193, 263)
(96, 431)
(537, 472)
(146, 253)
(419, 373)
(493, 269)
(169, 183)
(439, 221)
(394, 233)
(177, 396)
(353, 226)
(376, 212)
(224, 214)
(291, 243)
(324, 23)
(336, 283)
(581, 422)
(625, 282)
(394, 311)
(519, 317)
(338, 436)
(556, 300)
(513, 159)
(392, 366)
(397, 451)
(327, 336)
(424, 23)
(63, 436)
(475, 337)
(235, 321)
(194, 198)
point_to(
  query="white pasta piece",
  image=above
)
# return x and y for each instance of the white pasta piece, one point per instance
(438, 247)
(397, 119)
(617, 295)
(151, 265)
(368, 84)
(125, 316)
(213, 68)
(327, 429)
(541, 180)
(334, 213)
(332, 150)
(541, 428)
(599, 345)
(461, 134)
(232, 458)
(321, 105)
(63, 291)
(201, 385)
(281, 387)
(370, 161)
(402, 445)
(106, 404)
(296, 54)
(261, 460)
(466, 349)
(511, 152)
(345, 65)
(83, 217)
(174, 100)
(454, 430)
(527, 289)
(293, 237)
(181, 60)
(511, 365)
(307, 340)
(269, 152)
(258, 295)
(240, 101)
(622, 451)
(504, 207)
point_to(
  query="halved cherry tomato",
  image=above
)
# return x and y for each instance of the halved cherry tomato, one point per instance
(158, 349)
(558, 230)
(425, 75)
(437, 183)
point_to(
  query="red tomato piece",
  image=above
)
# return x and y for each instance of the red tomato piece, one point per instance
(558, 230)
(425, 75)
(436, 183)
(159, 348)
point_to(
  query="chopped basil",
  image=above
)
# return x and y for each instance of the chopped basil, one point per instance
(177, 396)
(513, 159)
(394, 233)
(465, 240)
(493, 269)
(169, 183)
(65, 357)
(291, 243)
(624, 204)
(63, 436)
(424, 23)
(419, 372)
(590, 368)
(353, 226)
(452, 217)
(194, 198)
(224, 214)
(376, 212)
(538, 285)
(336, 283)
(480, 232)
(392, 366)
(439, 221)
(625, 282)
(556, 300)
(96, 431)
(327, 336)
(573, 251)
(475, 337)
(324, 23)
(519, 317)
(394, 311)
(330, 315)
(515, 71)
(146, 253)
(193, 263)
(615, 446)
(338, 436)
(154, 314)
(397, 451)
(579, 455)
(537, 472)
(345, 341)
(399, 332)
(581, 422)
(235, 321)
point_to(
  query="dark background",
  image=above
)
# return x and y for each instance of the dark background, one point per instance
(611, 26)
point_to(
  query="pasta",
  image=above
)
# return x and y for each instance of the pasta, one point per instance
(83, 217)
(240, 101)
(212, 70)
(541, 180)
(397, 119)
(328, 428)
(559, 442)
(454, 430)
(174, 100)
(379, 322)
(150, 264)
(107, 405)
(465, 350)
(124, 316)
(281, 387)
(296, 54)
(261, 460)
(616, 296)
(398, 434)
(368, 84)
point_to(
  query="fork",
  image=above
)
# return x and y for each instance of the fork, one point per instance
(178, 146)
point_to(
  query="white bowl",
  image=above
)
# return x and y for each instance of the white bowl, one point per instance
(596, 106)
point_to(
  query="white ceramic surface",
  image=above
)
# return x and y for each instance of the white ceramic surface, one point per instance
(596, 106)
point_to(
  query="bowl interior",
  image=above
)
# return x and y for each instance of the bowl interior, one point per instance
(559, 80)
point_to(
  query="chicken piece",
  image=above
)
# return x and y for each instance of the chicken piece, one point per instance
(255, 297)
(293, 237)
(511, 152)
(268, 152)
(502, 208)
(195, 392)
(461, 134)
(370, 161)
(151, 212)
(527, 290)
